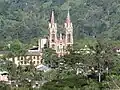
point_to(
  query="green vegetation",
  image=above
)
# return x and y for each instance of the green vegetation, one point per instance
(68, 77)
(96, 24)
(28, 20)
(97, 70)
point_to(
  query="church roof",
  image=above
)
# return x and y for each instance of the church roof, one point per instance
(68, 20)
(4, 52)
(35, 48)
(33, 51)
(52, 18)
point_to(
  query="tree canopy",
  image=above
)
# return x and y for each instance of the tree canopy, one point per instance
(26, 20)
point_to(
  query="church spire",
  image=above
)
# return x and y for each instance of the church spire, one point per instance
(68, 21)
(52, 17)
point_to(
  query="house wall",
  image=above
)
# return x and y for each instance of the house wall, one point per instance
(27, 60)
(4, 78)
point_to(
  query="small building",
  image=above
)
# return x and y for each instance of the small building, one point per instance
(4, 76)
(43, 68)
(31, 57)
(2, 53)
(116, 49)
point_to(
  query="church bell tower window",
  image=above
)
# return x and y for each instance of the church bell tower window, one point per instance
(53, 46)
(53, 37)
(69, 39)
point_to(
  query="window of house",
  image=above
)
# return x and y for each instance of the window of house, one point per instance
(34, 57)
(21, 58)
(37, 62)
(21, 62)
(33, 62)
(30, 62)
(25, 62)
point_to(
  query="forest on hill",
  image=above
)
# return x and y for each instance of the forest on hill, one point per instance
(27, 20)
(93, 63)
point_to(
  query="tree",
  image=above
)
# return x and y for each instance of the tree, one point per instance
(21, 20)
(17, 48)
(50, 57)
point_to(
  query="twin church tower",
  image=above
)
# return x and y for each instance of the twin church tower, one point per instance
(60, 44)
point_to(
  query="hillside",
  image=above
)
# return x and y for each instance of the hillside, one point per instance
(28, 19)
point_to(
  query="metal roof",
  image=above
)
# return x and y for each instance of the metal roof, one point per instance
(34, 53)
(4, 52)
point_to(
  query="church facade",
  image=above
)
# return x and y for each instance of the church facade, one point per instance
(60, 44)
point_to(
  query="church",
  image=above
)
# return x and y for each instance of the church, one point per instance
(64, 40)
(59, 43)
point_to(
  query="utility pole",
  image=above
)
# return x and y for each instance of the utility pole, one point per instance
(99, 76)
(99, 72)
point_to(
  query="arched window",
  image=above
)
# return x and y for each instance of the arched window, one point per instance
(69, 38)
(53, 37)
(21, 58)
(37, 62)
(53, 46)
(34, 57)
(33, 62)
(58, 48)
(21, 62)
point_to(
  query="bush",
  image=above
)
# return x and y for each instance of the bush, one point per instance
(71, 83)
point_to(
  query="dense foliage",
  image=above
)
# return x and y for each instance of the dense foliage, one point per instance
(22, 22)
(98, 69)
(27, 20)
